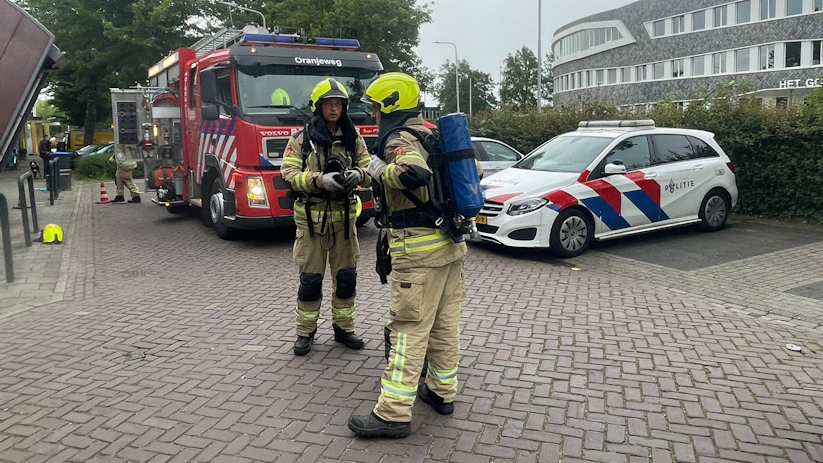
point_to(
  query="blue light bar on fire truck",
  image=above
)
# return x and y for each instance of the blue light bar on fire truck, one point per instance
(293, 39)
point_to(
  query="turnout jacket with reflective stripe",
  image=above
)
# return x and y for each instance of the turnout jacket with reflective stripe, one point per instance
(305, 180)
(416, 246)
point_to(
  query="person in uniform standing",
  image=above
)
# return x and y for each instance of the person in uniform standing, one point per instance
(324, 163)
(427, 271)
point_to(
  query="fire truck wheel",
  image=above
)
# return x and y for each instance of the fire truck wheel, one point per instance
(217, 213)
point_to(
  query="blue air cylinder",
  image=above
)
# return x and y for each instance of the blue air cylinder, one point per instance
(456, 143)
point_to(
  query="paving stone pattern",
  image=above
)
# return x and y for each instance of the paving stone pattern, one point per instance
(171, 345)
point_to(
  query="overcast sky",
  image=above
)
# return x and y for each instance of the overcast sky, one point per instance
(485, 31)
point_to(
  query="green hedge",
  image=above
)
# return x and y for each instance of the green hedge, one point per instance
(778, 151)
(98, 167)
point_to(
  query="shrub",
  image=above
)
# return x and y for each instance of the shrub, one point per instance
(98, 167)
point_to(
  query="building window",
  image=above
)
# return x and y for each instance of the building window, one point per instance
(721, 16)
(678, 24)
(677, 68)
(816, 51)
(659, 28)
(658, 71)
(767, 56)
(699, 20)
(612, 76)
(767, 9)
(583, 40)
(627, 75)
(792, 54)
(781, 101)
(818, 5)
(794, 7)
(590, 78)
(744, 12)
(719, 63)
(741, 60)
(640, 73)
(697, 66)
(599, 77)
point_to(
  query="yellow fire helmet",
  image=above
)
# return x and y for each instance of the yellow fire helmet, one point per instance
(52, 234)
(280, 97)
(327, 88)
(393, 91)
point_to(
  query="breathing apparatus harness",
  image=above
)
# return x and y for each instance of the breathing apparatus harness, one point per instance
(455, 196)
(332, 164)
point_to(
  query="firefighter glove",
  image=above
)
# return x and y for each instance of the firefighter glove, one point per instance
(353, 177)
(329, 183)
(376, 167)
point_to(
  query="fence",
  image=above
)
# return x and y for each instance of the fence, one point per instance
(21, 187)
(4, 231)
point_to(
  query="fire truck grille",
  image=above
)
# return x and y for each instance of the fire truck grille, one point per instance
(275, 147)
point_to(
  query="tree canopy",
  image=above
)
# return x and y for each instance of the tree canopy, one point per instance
(517, 89)
(112, 43)
(481, 90)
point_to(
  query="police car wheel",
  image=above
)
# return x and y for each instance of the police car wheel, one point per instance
(714, 210)
(571, 234)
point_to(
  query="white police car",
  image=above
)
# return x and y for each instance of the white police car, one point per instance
(606, 180)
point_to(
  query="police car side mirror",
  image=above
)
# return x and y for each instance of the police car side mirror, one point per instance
(614, 168)
(210, 112)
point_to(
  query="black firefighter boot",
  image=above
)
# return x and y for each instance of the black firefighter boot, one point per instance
(118, 199)
(303, 344)
(426, 395)
(135, 199)
(351, 340)
(372, 425)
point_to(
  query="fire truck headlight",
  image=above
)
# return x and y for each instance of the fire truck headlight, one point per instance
(256, 192)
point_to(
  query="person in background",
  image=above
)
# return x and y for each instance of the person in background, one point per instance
(44, 150)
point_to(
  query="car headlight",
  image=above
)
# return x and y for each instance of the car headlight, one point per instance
(527, 205)
(256, 192)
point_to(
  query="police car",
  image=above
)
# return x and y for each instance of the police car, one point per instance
(606, 180)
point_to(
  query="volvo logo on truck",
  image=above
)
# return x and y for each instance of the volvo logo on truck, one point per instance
(318, 61)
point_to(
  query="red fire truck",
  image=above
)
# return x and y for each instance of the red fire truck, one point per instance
(241, 94)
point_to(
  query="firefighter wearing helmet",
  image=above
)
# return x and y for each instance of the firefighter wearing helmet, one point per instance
(427, 270)
(324, 163)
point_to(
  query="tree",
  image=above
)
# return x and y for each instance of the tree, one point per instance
(388, 28)
(110, 43)
(517, 88)
(482, 89)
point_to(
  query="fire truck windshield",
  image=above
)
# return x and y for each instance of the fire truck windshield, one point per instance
(286, 90)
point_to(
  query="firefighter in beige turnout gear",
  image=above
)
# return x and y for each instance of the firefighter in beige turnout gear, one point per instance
(427, 272)
(324, 163)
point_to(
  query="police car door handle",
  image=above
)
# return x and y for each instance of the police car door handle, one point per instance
(698, 167)
(650, 175)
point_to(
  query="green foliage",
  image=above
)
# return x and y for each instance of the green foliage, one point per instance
(99, 167)
(110, 43)
(482, 89)
(46, 110)
(519, 79)
(776, 150)
(389, 28)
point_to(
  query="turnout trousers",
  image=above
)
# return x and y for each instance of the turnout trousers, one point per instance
(123, 179)
(311, 255)
(424, 317)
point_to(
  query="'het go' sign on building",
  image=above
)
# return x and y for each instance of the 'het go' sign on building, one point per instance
(653, 50)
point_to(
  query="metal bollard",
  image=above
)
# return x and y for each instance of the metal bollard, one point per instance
(21, 188)
(6, 235)
(53, 182)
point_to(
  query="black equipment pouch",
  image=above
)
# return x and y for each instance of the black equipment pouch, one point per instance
(383, 262)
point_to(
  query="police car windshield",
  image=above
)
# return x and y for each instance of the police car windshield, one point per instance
(565, 154)
(286, 90)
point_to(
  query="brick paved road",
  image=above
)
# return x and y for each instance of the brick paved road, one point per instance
(157, 356)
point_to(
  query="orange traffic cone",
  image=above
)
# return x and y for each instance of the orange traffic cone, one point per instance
(104, 197)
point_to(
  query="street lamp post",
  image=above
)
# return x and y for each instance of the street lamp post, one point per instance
(235, 5)
(456, 78)
(539, 53)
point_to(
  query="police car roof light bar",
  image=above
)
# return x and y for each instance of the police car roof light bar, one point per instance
(614, 124)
